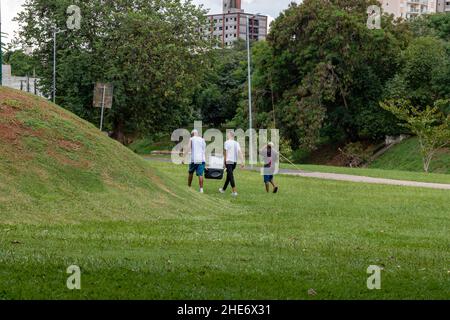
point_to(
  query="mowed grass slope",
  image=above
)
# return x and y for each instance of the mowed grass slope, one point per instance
(406, 156)
(140, 233)
(55, 167)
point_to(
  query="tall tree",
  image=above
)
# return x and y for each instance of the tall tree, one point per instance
(327, 71)
(151, 50)
(425, 72)
(219, 94)
(21, 63)
(429, 124)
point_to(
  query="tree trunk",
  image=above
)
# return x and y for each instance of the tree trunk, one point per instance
(118, 132)
(427, 162)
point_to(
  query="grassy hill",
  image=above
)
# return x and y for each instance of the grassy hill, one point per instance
(70, 195)
(406, 156)
(55, 167)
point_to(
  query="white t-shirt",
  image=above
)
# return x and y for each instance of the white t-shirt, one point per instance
(232, 148)
(198, 150)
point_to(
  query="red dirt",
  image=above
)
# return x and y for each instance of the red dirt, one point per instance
(26, 101)
(7, 112)
(326, 155)
(70, 145)
(63, 159)
(12, 130)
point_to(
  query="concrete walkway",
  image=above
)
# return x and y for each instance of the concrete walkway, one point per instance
(363, 179)
(344, 177)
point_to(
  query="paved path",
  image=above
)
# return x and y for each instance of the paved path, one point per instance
(364, 179)
(346, 177)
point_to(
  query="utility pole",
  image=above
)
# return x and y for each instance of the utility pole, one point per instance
(1, 48)
(55, 32)
(54, 65)
(249, 93)
(250, 117)
(103, 107)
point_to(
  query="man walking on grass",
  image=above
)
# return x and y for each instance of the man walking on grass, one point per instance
(270, 157)
(197, 148)
(232, 151)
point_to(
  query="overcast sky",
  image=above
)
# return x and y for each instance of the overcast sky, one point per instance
(272, 8)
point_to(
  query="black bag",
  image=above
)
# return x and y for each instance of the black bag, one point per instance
(214, 174)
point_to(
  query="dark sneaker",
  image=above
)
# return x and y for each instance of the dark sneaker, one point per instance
(275, 190)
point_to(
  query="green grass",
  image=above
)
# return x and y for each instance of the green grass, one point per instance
(314, 234)
(138, 232)
(368, 172)
(406, 156)
(145, 146)
(377, 173)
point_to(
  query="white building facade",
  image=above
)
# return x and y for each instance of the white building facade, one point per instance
(407, 9)
(28, 84)
(231, 24)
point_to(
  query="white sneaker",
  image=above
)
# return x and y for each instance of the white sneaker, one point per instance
(234, 194)
(201, 190)
(221, 190)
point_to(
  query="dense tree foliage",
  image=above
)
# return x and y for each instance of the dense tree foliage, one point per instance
(220, 92)
(323, 71)
(429, 124)
(21, 63)
(319, 77)
(151, 50)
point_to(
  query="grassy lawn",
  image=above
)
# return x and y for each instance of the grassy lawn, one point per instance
(406, 156)
(376, 173)
(368, 172)
(314, 234)
(70, 195)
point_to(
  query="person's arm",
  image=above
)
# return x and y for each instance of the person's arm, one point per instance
(204, 150)
(187, 151)
(241, 156)
(263, 154)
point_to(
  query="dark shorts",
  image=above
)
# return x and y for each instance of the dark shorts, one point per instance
(198, 168)
(268, 178)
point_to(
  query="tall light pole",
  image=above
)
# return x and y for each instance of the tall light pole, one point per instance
(1, 48)
(55, 32)
(250, 117)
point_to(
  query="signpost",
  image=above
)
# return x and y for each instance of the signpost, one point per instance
(103, 98)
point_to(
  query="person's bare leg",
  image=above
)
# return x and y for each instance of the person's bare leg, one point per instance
(200, 182)
(191, 177)
(267, 187)
(275, 187)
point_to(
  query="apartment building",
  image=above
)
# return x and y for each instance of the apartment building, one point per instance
(233, 24)
(443, 6)
(412, 8)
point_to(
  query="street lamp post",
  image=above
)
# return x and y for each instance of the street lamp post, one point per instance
(55, 32)
(250, 117)
(1, 48)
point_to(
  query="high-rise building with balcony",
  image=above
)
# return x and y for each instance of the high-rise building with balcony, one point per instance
(231, 24)
(443, 6)
(412, 8)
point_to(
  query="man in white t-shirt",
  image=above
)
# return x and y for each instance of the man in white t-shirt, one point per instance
(232, 151)
(197, 148)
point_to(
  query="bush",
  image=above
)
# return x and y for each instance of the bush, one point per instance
(355, 155)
